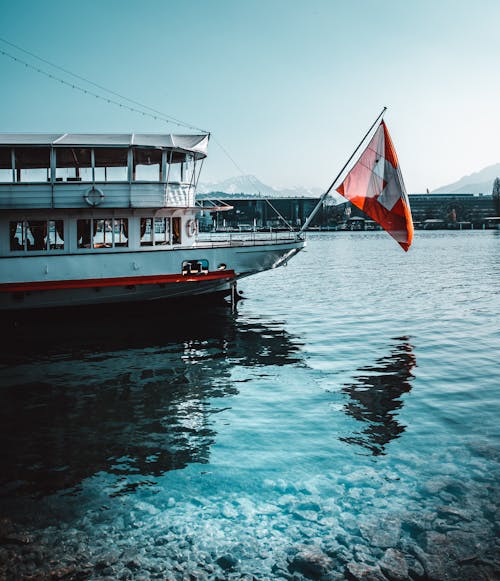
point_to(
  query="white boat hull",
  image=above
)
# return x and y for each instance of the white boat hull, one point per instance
(65, 280)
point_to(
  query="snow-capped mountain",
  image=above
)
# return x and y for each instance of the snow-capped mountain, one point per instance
(249, 184)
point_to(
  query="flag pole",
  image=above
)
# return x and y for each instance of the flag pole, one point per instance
(322, 199)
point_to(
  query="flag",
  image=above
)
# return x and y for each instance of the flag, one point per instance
(375, 185)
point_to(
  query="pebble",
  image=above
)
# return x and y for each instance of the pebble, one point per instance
(133, 564)
(342, 539)
(307, 515)
(229, 511)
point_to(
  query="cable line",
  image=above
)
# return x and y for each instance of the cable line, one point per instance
(159, 114)
(144, 110)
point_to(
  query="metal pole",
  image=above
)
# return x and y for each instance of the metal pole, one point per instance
(321, 200)
(234, 296)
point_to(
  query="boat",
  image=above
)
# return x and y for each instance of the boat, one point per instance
(88, 219)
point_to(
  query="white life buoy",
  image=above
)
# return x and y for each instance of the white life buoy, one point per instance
(94, 196)
(191, 228)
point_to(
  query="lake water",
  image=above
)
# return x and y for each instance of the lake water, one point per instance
(343, 423)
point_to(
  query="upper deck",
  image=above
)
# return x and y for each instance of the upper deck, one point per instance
(105, 170)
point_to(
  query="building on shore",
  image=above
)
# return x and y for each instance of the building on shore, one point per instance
(430, 212)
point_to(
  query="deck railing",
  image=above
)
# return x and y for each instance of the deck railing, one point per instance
(114, 195)
(217, 239)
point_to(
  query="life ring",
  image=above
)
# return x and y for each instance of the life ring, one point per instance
(94, 196)
(191, 228)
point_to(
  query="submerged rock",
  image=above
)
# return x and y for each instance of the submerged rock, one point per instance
(227, 562)
(382, 533)
(393, 564)
(415, 569)
(363, 572)
(452, 511)
(312, 563)
(437, 543)
(108, 559)
(307, 515)
(464, 546)
(433, 565)
(133, 564)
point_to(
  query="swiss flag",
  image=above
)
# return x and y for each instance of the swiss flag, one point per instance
(375, 185)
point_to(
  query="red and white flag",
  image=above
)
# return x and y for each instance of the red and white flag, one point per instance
(375, 185)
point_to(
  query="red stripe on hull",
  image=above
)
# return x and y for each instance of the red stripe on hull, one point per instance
(121, 281)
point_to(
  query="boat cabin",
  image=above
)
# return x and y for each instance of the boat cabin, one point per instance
(98, 192)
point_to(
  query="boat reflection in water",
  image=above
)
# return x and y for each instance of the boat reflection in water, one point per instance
(375, 397)
(127, 393)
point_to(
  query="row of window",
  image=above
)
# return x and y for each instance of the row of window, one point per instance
(160, 231)
(87, 165)
(102, 233)
(36, 235)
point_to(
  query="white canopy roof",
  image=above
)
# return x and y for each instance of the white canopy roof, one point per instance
(196, 144)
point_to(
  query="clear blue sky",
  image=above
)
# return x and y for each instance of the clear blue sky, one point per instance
(287, 87)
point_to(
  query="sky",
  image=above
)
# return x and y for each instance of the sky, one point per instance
(287, 88)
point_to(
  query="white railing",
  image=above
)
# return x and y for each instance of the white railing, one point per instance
(114, 195)
(218, 239)
(179, 194)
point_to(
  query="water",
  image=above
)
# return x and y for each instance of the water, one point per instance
(343, 423)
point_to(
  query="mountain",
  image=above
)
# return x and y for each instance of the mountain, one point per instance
(248, 184)
(480, 182)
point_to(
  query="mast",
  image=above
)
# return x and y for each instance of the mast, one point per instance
(322, 199)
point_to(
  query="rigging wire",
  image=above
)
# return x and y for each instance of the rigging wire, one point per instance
(159, 115)
(154, 113)
(224, 150)
(291, 228)
(252, 178)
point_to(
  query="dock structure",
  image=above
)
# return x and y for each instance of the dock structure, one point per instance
(430, 211)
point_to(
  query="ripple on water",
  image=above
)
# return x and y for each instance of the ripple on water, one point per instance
(343, 422)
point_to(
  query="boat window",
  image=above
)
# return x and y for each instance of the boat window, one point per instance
(56, 235)
(155, 231)
(188, 170)
(195, 267)
(111, 164)
(32, 164)
(35, 235)
(83, 233)
(146, 232)
(16, 235)
(176, 230)
(162, 231)
(120, 229)
(5, 165)
(73, 164)
(174, 172)
(102, 233)
(147, 163)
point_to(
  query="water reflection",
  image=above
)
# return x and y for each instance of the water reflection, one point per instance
(375, 397)
(128, 393)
